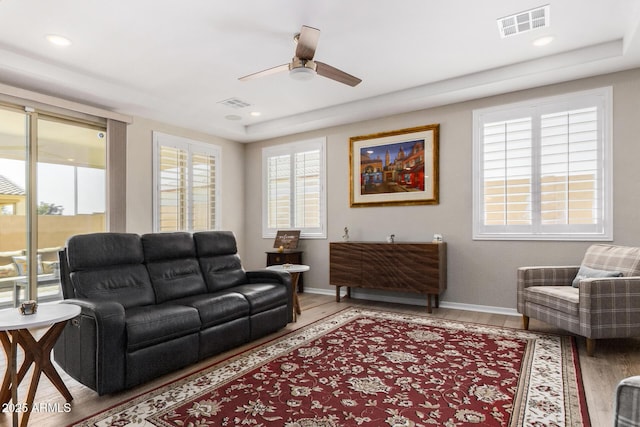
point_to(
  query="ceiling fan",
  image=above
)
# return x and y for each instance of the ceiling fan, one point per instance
(302, 66)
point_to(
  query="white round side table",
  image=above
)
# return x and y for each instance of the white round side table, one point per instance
(294, 270)
(14, 331)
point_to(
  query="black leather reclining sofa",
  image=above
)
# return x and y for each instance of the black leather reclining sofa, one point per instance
(155, 303)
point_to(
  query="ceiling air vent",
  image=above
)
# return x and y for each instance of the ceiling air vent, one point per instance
(524, 21)
(234, 103)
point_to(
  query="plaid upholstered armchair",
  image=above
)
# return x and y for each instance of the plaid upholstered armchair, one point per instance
(598, 299)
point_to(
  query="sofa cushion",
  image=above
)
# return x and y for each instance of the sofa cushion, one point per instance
(8, 270)
(219, 260)
(263, 296)
(590, 273)
(163, 246)
(100, 250)
(153, 324)
(560, 298)
(173, 268)
(624, 259)
(128, 284)
(217, 308)
(108, 267)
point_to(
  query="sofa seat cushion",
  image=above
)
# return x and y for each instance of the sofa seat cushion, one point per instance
(152, 324)
(217, 308)
(263, 296)
(560, 298)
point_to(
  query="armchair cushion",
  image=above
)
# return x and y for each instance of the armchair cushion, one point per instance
(564, 299)
(624, 259)
(591, 273)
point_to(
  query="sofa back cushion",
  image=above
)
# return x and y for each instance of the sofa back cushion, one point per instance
(109, 266)
(219, 261)
(623, 259)
(172, 264)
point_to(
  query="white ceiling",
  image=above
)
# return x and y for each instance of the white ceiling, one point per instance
(174, 61)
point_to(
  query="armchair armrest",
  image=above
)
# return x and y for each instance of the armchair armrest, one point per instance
(610, 307)
(546, 276)
(94, 344)
(543, 276)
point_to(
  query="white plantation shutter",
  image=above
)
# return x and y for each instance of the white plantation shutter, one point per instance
(203, 191)
(507, 153)
(294, 196)
(569, 168)
(279, 191)
(307, 193)
(173, 190)
(185, 183)
(542, 170)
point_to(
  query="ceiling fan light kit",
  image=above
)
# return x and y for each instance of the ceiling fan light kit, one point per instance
(302, 74)
(302, 66)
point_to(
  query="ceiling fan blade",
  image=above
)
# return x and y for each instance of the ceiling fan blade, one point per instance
(335, 74)
(267, 72)
(307, 42)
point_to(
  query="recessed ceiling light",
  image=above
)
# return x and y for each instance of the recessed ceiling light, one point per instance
(256, 113)
(58, 40)
(543, 41)
(232, 117)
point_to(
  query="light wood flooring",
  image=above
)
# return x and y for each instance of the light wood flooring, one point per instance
(614, 360)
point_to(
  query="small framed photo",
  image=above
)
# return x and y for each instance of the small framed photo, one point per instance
(287, 239)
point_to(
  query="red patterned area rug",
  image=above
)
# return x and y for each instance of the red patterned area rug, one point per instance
(364, 367)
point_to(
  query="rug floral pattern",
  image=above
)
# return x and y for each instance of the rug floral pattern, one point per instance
(373, 368)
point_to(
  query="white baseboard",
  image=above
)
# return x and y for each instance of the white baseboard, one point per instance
(361, 294)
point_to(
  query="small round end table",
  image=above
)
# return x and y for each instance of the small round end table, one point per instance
(294, 270)
(14, 331)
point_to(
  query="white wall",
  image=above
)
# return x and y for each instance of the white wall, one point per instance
(140, 176)
(479, 272)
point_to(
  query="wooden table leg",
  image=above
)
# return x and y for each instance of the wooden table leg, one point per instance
(37, 353)
(5, 391)
(429, 310)
(337, 293)
(294, 288)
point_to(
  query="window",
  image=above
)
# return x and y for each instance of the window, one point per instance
(294, 188)
(186, 182)
(542, 169)
(52, 186)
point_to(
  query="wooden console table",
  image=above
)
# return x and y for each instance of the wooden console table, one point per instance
(409, 267)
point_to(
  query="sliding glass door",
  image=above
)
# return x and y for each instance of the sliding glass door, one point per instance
(54, 175)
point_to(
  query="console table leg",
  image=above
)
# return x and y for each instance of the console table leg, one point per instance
(337, 293)
(429, 310)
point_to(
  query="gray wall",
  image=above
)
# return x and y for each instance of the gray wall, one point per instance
(140, 176)
(481, 273)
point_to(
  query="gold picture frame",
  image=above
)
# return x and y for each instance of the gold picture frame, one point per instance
(399, 167)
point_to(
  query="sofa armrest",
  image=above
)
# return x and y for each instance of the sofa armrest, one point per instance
(272, 276)
(610, 307)
(96, 341)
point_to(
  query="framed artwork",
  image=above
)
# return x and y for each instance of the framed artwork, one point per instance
(399, 167)
(288, 239)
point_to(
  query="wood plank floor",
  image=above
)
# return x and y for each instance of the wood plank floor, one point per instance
(614, 360)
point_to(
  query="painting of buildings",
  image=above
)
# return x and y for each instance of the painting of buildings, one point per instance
(392, 168)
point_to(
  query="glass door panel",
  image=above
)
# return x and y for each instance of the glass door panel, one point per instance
(13, 203)
(71, 192)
